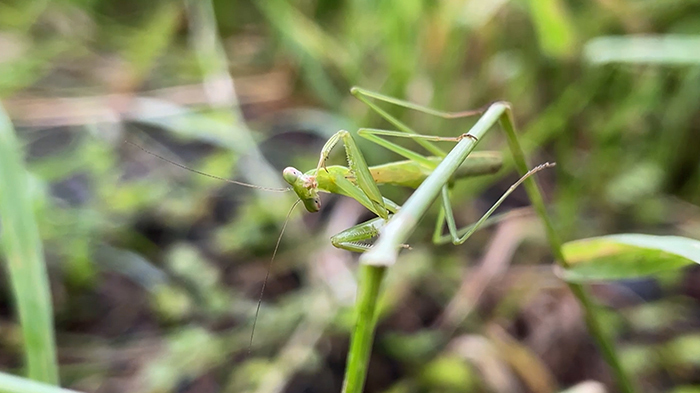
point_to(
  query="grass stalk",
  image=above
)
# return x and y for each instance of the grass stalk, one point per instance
(369, 283)
(383, 254)
(605, 344)
(24, 256)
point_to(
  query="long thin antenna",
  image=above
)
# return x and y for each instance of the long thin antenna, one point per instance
(267, 275)
(272, 189)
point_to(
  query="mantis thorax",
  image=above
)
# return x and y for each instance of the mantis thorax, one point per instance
(305, 186)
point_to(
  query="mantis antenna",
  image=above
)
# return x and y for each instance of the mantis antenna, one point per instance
(267, 275)
(279, 239)
(271, 189)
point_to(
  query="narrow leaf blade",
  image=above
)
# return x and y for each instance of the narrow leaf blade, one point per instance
(24, 256)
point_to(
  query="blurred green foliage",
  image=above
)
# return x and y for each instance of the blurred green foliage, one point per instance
(148, 262)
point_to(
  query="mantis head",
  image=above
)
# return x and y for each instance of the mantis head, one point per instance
(305, 186)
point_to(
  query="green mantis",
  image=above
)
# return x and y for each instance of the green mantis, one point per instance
(359, 181)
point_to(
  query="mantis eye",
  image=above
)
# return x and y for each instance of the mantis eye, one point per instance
(312, 204)
(291, 175)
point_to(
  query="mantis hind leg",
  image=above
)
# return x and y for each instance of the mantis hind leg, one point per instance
(360, 92)
(366, 96)
(376, 136)
(459, 236)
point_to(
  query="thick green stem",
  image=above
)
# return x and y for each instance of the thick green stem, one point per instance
(594, 327)
(368, 285)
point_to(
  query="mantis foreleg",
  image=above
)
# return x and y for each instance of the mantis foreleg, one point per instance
(364, 182)
(353, 239)
(358, 167)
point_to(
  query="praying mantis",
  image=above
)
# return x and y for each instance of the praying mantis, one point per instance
(359, 181)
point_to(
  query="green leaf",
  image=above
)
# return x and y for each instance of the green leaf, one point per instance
(670, 49)
(623, 256)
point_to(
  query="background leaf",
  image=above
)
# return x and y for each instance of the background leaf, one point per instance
(627, 256)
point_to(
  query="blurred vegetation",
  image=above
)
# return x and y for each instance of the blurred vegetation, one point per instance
(154, 271)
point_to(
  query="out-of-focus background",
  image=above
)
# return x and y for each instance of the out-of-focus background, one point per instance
(155, 271)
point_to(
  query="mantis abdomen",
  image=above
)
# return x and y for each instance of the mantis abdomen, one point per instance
(408, 173)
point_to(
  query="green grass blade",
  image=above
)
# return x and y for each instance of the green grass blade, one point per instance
(14, 384)
(593, 322)
(623, 256)
(555, 31)
(369, 282)
(25, 259)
